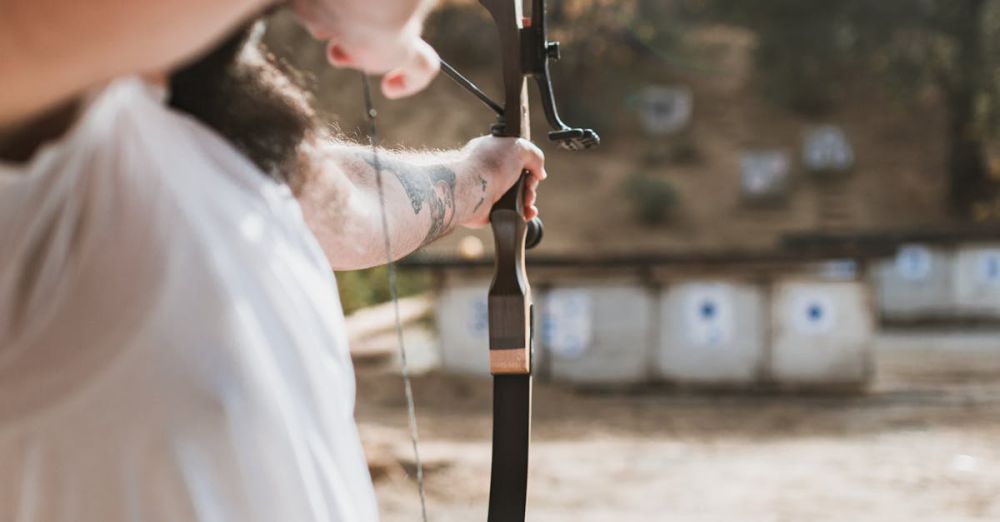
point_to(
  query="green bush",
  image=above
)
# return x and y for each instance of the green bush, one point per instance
(684, 151)
(653, 198)
(363, 288)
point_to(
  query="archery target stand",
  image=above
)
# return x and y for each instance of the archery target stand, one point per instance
(917, 284)
(821, 333)
(781, 324)
(664, 110)
(712, 332)
(976, 273)
(764, 176)
(463, 327)
(596, 334)
(825, 149)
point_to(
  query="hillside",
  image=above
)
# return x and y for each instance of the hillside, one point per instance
(898, 180)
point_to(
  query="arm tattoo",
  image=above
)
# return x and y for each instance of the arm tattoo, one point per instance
(430, 184)
(482, 197)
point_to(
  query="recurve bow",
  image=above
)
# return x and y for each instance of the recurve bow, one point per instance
(526, 52)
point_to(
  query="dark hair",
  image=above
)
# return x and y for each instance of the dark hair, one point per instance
(251, 103)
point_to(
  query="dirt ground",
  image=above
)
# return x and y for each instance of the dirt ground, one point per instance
(921, 445)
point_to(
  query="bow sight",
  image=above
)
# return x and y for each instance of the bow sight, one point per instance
(536, 52)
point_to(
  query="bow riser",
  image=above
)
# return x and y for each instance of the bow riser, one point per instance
(508, 18)
(525, 52)
(510, 293)
(509, 299)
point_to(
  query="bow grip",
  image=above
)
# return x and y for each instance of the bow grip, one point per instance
(510, 294)
(535, 230)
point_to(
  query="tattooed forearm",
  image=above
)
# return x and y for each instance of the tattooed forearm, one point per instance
(430, 184)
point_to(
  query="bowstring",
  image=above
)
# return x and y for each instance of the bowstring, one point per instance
(411, 408)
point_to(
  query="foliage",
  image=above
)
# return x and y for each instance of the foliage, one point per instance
(653, 198)
(684, 151)
(362, 288)
(800, 48)
(464, 36)
(807, 51)
(678, 150)
(610, 47)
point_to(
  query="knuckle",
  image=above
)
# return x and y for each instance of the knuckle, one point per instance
(531, 151)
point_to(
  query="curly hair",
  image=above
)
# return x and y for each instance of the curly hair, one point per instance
(237, 90)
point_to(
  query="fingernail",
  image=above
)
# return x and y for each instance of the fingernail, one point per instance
(337, 55)
(396, 81)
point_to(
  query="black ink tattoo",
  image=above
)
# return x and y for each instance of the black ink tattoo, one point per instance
(482, 197)
(431, 184)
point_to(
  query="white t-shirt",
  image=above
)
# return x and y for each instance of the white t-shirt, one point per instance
(171, 339)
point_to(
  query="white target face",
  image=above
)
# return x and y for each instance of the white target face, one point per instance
(826, 148)
(566, 322)
(914, 263)
(708, 315)
(479, 316)
(764, 173)
(988, 267)
(813, 313)
(664, 110)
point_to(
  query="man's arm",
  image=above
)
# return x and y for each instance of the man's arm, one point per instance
(427, 195)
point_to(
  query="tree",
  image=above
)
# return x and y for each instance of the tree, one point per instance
(806, 48)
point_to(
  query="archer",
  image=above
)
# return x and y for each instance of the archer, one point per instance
(171, 340)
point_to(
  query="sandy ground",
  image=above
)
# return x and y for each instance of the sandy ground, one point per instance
(920, 446)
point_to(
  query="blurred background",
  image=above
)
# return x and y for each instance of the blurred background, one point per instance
(773, 293)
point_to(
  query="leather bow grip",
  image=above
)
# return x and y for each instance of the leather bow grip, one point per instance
(514, 199)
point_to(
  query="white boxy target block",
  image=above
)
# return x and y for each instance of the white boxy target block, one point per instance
(664, 109)
(825, 148)
(977, 280)
(463, 327)
(596, 334)
(764, 175)
(917, 283)
(711, 332)
(821, 333)
(567, 323)
(914, 263)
